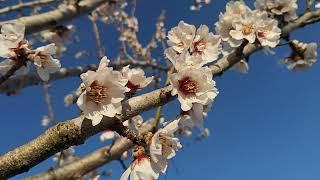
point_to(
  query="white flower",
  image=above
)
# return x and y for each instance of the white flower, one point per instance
(193, 85)
(234, 10)
(181, 37)
(195, 49)
(104, 91)
(164, 146)
(241, 66)
(193, 119)
(59, 36)
(287, 8)
(245, 27)
(267, 30)
(44, 62)
(303, 56)
(136, 78)
(107, 135)
(134, 123)
(11, 39)
(140, 169)
(206, 45)
(317, 5)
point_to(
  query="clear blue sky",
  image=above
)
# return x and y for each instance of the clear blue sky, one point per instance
(264, 125)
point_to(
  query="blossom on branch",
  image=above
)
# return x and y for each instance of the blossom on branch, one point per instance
(104, 90)
(136, 78)
(11, 38)
(191, 46)
(44, 62)
(140, 168)
(13, 46)
(302, 57)
(286, 8)
(164, 146)
(193, 85)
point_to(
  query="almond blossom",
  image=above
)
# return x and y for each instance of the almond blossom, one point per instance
(164, 146)
(12, 44)
(241, 66)
(181, 37)
(287, 8)
(192, 46)
(245, 27)
(12, 40)
(140, 168)
(104, 90)
(136, 78)
(193, 85)
(44, 62)
(206, 45)
(303, 55)
(234, 9)
(134, 123)
(267, 30)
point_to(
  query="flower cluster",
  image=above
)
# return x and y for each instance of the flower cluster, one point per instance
(104, 89)
(190, 50)
(285, 8)
(302, 57)
(16, 49)
(240, 23)
(162, 147)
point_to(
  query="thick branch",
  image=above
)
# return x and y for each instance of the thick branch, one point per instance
(86, 164)
(58, 16)
(89, 162)
(14, 84)
(32, 4)
(76, 131)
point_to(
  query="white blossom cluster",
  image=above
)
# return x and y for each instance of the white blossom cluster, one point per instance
(303, 55)
(15, 49)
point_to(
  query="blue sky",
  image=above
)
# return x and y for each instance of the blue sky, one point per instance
(264, 125)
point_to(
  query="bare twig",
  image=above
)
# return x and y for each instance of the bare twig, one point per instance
(16, 83)
(93, 19)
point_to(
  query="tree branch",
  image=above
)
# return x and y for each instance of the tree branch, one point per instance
(14, 84)
(32, 4)
(76, 131)
(58, 16)
(89, 162)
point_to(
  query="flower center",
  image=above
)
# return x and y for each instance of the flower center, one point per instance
(247, 28)
(199, 46)
(43, 57)
(188, 86)
(97, 93)
(133, 87)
